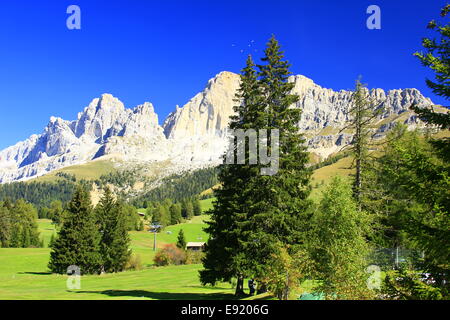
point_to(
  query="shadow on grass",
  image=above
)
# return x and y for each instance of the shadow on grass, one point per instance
(36, 273)
(162, 295)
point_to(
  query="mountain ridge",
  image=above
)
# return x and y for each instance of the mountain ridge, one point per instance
(192, 136)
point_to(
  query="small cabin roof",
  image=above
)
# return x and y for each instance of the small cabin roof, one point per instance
(195, 244)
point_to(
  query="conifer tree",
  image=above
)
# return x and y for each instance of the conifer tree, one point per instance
(280, 208)
(197, 207)
(437, 58)
(5, 226)
(224, 256)
(114, 239)
(187, 209)
(175, 213)
(362, 112)
(77, 242)
(161, 215)
(181, 240)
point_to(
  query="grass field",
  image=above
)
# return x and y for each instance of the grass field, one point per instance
(24, 273)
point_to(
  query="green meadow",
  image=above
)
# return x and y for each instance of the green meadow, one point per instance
(24, 273)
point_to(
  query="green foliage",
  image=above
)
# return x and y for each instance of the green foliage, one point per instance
(254, 211)
(362, 112)
(132, 218)
(56, 212)
(285, 271)
(437, 58)
(78, 240)
(18, 225)
(40, 194)
(180, 186)
(113, 229)
(175, 213)
(187, 209)
(161, 215)
(437, 55)
(197, 208)
(337, 246)
(194, 257)
(410, 189)
(404, 284)
(5, 226)
(181, 240)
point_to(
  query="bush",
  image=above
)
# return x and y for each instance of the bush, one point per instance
(194, 257)
(134, 263)
(169, 254)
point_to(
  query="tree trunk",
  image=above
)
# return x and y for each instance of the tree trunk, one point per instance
(239, 286)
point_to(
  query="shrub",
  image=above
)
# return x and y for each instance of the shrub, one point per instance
(194, 257)
(134, 263)
(169, 254)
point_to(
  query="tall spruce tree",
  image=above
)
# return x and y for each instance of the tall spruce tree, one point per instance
(77, 242)
(114, 239)
(279, 212)
(224, 255)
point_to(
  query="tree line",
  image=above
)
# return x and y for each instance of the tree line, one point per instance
(176, 187)
(169, 212)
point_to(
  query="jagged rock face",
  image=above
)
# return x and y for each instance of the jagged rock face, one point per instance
(94, 134)
(208, 112)
(192, 136)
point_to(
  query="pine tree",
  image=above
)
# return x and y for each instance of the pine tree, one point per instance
(114, 239)
(437, 58)
(77, 242)
(280, 206)
(181, 240)
(175, 213)
(224, 258)
(197, 207)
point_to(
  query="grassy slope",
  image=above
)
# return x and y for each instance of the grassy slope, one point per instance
(91, 170)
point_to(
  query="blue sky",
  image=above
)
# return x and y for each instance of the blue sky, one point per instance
(165, 51)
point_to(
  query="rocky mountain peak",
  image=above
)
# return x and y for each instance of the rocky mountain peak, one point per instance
(193, 135)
